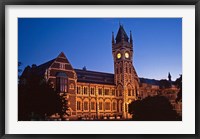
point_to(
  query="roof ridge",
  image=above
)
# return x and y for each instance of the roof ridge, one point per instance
(46, 63)
(94, 71)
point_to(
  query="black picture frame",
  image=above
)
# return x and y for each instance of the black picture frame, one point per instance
(3, 3)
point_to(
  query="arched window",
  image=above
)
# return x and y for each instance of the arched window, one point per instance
(101, 105)
(85, 90)
(114, 106)
(136, 92)
(119, 90)
(120, 106)
(61, 82)
(120, 69)
(79, 106)
(93, 105)
(92, 91)
(113, 92)
(100, 92)
(133, 92)
(107, 105)
(126, 68)
(71, 86)
(129, 92)
(79, 90)
(85, 105)
(106, 92)
(130, 68)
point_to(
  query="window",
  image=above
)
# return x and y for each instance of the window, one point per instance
(78, 105)
(133, 92)
(71, 86)
(85, 90)
(136, 92)
(117, 70)
(120, 92)
(61, 82)
(100, 105)
(78, 90)
(130, 70)
(120, 106)
(106, 91)
(120, 69)
(92, 105)
(113, 92)
(62, 66)
(92, 90)
(100, 91)
(129, 92)
(114, 106)
(107, 106)
(85, 105)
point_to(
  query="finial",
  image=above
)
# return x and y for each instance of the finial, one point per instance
(84, 68)
(120, 25)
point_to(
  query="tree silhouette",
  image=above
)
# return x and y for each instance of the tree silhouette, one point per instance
(37, 97)
(178, 83)
(157, 108)
(164, 84)
(19, 69)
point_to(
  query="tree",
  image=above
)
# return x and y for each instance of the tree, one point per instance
(164, 84)
(37, 97)
(157, 108)
(19, 69)
(178, 83)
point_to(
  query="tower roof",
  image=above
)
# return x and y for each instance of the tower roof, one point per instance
(121, 35)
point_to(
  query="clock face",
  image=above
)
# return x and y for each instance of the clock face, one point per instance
(126, 55)
(119, 55)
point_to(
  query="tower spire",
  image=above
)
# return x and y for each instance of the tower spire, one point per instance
(122, 51)
(121, 35)
(131, 39)
(169, 77)
(113, 39)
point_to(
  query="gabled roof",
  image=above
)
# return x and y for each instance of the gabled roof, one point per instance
(121, 35)
(40, 70)
(94, 77)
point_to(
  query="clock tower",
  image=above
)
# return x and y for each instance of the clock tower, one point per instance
(126, 79)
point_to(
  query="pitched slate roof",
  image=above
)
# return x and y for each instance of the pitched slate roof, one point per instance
(94, 77)
(105, 78)
(149, 81)
(40, 70)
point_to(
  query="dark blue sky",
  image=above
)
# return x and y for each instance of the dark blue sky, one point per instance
(87, 42)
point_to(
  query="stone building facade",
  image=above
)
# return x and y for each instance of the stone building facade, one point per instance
(92, 94)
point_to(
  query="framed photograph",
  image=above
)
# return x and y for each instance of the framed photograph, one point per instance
(103, 69)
